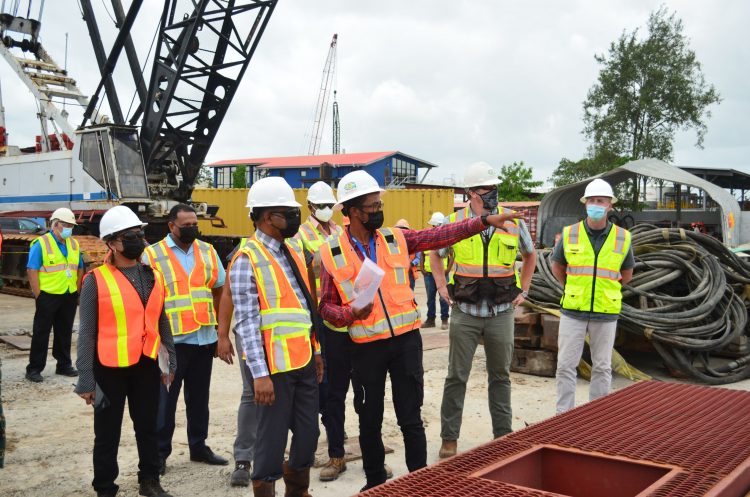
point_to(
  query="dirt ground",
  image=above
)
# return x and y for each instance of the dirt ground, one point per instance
(50, 429)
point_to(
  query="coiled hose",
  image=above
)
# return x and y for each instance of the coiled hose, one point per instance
(686, 297)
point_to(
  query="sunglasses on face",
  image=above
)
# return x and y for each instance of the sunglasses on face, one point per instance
(130, 236)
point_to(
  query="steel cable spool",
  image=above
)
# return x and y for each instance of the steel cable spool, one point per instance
(686, 298)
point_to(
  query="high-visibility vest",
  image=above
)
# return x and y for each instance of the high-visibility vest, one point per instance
(285, 321)
(58, 274)
(189, 303)
(126, 328)
(428, 264)
(469, 253)
(311, 240)
(397, 312)
(593, 280)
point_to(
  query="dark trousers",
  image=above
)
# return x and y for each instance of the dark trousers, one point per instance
(401, 357)
(295, 408)
(58, 312)
(138, 383)
(339, 373)
(432, 294)
(194, 364)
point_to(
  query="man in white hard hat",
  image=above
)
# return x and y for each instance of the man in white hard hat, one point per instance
(385, 331)
(123, 334)
(592, 263)
(275, 317)
(485, 289)
(195, 279)
(335, 342)
(436, 219)
(55, 269)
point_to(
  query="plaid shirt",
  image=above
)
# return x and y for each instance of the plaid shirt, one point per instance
(246, 304)
(484, 309)
(331, 308)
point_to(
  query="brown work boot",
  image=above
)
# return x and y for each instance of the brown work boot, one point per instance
(264, 488)
(448, 449)
(333, 468)
(444, 324)
(297, 482)
(429, 323)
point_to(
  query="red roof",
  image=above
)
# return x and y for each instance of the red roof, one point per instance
(359, 159)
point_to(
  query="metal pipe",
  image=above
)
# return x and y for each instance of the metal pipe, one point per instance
(135, 66)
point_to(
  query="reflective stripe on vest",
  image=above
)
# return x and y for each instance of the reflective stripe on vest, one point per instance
(593, 281)
(126, 329)
(189, 303)
(285, 321)
(400, 314)
(58, 274)
(501, 252)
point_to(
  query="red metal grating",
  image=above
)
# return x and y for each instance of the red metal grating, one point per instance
(704, 432)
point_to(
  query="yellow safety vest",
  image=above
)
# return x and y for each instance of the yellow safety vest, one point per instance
(428, 264)
(469, 255)
(189, 303)
(311, 239)
(285, 321)
(58, 274)
(593, 280)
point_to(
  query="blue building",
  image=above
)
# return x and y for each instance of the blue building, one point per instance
(391, 169)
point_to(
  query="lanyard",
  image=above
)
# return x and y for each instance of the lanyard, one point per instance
(372, 255)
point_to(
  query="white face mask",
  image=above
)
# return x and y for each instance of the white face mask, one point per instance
(324, 215)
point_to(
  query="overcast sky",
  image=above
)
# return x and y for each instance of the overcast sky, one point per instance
(450, 82)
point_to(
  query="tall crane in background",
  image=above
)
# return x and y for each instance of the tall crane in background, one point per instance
(329, 71)
(336, 126)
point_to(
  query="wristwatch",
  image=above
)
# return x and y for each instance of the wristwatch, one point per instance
(483, 217)
(525, 294)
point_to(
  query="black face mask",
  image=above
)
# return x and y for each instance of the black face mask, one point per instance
(133, 249)
(374, 221)
(293, 221)
(489, 200)
(188, 234)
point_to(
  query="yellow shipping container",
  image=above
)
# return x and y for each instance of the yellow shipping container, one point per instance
(416, 206)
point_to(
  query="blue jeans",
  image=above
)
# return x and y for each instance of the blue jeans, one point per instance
(431, 287)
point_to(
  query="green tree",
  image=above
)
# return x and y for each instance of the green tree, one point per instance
(516, 182)
(239, 177)
(205, 177)
(573, 171)
(647, 90)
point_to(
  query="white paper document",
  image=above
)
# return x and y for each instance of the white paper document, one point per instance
(367, 284)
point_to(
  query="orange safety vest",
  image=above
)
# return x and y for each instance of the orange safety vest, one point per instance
(396, 313)
(189, 303)
(127, 329)
(285, 321)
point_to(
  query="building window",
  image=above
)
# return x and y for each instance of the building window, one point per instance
(403, 170)
(259, 174)
(303, 173)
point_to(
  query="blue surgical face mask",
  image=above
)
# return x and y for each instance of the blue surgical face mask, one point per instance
(66, 233)
(596, 212)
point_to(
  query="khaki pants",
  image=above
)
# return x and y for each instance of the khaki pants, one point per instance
(464, 335)
(570, 342)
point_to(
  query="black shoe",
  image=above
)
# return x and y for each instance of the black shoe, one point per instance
(69, 371)
(34, 376)
(369, 486)
(152, 488)
(241, 474)
(207, 456)
(106, 493)
(162, 466)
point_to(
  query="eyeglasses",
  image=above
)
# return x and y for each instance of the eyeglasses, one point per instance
(374, 207)
(324, 206)
(130, 236)
(289, 213)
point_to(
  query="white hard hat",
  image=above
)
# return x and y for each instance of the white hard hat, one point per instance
(598, 188)
(480, 174)
(65, 215)
(116, 219)
(436, 219)
(271, 191)
(355, 184)
(321, 193)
